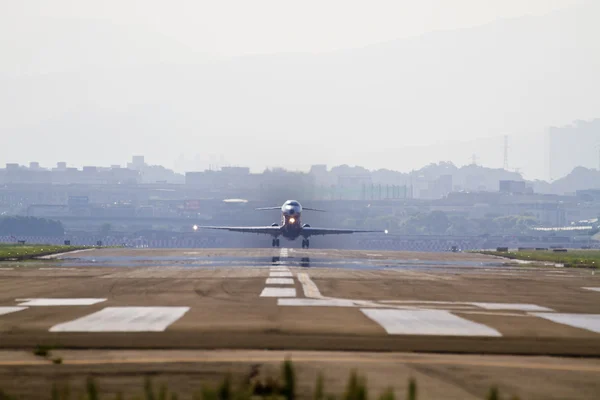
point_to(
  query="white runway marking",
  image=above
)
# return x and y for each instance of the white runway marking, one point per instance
(284, 253)
(279, 281)
(595, 289)
(280, 274)
(426, 322)
(6, 269)
(58, 302)
(278, 292)
(511, 307)
(310, 289)
(57, 269)
(8, 310)
(590, 322)
(279, 269)
(124, 319)
(316, 302)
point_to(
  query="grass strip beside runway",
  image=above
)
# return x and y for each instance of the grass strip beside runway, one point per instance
(19, 252)
(569, 258)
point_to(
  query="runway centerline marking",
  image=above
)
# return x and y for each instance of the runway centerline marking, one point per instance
(279, 281)
(124, 319)
(9, 310)
(278, 292)
(280, 274)
(426, 322)
(590, 322)
(46, 302)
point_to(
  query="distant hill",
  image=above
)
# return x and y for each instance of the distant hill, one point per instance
(579, 179)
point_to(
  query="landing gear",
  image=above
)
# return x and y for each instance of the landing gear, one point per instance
(305, 243)
(275, 243)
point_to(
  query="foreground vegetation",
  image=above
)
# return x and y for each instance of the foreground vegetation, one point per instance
(14, 252)
(282, 388)
(570, 258)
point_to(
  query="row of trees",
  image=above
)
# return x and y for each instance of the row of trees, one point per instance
(30, 226)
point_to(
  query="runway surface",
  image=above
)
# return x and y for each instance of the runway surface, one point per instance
(301, 300)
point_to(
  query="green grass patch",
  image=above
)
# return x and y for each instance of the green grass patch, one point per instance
(19, 252)
(570, 258)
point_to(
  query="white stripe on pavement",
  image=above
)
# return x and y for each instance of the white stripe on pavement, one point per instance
(591, 322)
(426, 322)
(511, 307)
(279, 281)
(8, 310)
(58, 302)
(124, 319)
(280, 274)
(595, 289)
(278, 292)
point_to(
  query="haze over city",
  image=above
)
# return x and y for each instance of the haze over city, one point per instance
(394, 85)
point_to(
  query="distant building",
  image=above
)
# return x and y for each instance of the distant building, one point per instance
(513, 187)
(137, 163)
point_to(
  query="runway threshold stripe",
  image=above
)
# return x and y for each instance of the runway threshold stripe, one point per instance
(46, 302)
(278, 292)
(591, 322)
(9, 310)
(427, 322)
(124, 319)
(279, 281)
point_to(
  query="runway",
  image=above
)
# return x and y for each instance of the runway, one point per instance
(299, 300)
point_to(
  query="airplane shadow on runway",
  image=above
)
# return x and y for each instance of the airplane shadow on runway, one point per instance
(304, 261)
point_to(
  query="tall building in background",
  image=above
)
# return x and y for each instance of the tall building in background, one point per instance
(573, 145)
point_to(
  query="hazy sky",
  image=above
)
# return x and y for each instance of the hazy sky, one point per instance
(182, 82)
(231, 28)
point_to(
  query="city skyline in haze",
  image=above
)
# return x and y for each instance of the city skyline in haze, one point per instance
(394, 85)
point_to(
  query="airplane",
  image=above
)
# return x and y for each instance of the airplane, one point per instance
(291, 226)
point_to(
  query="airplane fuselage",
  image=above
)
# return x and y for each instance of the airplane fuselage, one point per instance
(291, 223)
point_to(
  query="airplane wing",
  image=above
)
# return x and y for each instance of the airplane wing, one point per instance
(309, 231)
(267, 230)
